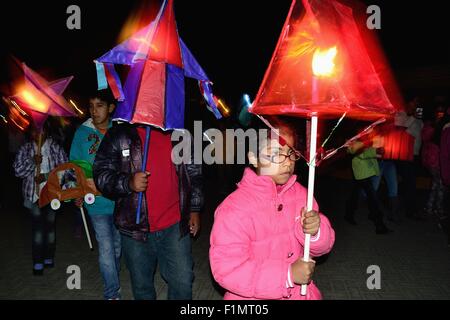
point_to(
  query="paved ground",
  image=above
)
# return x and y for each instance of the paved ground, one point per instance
(414, 260)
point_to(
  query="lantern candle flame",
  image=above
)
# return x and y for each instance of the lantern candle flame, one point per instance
(323, 62)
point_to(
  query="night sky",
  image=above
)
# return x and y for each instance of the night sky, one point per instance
(232, 40)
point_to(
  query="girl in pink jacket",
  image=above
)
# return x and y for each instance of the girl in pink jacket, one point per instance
(259, 230)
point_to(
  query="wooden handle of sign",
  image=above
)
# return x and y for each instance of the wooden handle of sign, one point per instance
(38, 166)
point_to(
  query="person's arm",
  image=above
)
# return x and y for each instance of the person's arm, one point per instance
(195, 175)
(76, 147)
(194, 172)
(401, 119)
(24, 164)
(60, 154)
(358, 147)
(109, 179)
(370, 153)
(233, 264)
(322, 242)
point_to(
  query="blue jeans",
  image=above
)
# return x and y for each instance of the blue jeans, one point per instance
(389, 172)
(175, 262)
(109, 252)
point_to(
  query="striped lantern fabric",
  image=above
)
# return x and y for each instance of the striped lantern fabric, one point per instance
(159, 61)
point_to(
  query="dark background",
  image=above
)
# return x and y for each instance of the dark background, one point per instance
(232, 40)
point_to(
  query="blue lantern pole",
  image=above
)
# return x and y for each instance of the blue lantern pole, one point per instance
(144, 166)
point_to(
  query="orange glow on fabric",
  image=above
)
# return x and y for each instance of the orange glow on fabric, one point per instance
(165, 39)
(33, 101)
(138, 19)
(16, 106)
(17, 115)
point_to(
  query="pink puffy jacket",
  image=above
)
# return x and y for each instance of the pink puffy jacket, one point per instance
(257, 234)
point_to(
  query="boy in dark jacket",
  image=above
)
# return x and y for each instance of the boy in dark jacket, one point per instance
(169, 213)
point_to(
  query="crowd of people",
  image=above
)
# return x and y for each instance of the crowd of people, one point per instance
(429, 138)
(257, 240)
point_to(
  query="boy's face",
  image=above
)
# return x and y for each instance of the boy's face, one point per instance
(100, 111)
(270, 155)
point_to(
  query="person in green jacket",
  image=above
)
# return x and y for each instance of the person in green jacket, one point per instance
(85, 144)
(365, 166)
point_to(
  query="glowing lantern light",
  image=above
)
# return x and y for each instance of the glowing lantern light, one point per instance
(302, 79)
(33, 101)
(323, 62)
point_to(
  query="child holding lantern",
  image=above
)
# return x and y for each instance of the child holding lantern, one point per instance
(259, 230)
(34, 160)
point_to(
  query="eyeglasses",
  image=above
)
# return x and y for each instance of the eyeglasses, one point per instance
(280, 157)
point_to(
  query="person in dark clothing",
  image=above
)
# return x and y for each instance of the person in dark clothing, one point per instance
(169, 213)
(34, 161)
(411, 121)
(365, 166)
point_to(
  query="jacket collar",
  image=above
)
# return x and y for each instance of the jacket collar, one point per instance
(264, 185)
(90, 124)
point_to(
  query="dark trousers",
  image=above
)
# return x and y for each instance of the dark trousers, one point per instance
(43, 233)
(408, 172)
(375, 207)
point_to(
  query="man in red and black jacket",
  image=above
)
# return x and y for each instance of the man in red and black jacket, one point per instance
(170, 208)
